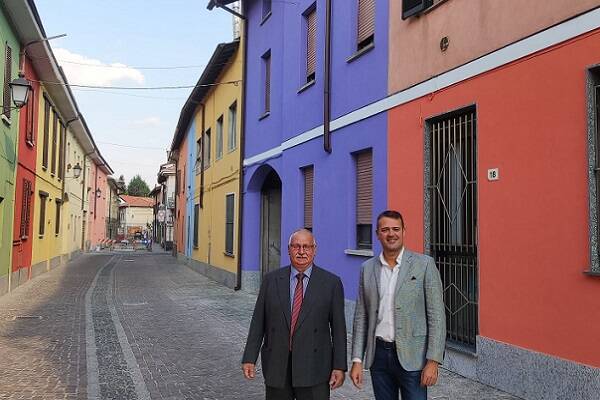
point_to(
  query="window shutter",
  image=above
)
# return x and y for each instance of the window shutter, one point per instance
(412, 7)
(366, 20)
(61, 153)
(311, 44)
(229, 210)
(30, 117)
(24, 211)
(54, 141)
(308, 196)
(46, 132)
(268, 83)
(6, 101)
(364, 188)
(196, 216)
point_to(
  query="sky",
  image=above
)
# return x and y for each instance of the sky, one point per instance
(133, 43)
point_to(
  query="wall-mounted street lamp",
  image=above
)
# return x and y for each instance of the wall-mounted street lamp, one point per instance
(98, 192)
(20, 89)
(76, 171)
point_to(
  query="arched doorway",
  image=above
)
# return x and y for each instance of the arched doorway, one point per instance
(270, 223)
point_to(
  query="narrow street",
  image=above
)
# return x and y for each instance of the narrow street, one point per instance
(132, 326)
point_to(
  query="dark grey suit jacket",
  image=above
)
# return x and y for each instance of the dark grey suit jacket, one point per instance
(319, 343)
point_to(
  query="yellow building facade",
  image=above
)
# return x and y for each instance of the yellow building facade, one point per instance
(217, 170)
(75, 196)
(49, 204)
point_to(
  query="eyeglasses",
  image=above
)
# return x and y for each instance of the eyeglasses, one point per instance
(387, 229)
(304, 247)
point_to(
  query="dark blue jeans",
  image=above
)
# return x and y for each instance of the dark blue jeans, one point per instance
(389, 378)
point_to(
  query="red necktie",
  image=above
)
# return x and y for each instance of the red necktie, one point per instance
(298, 295)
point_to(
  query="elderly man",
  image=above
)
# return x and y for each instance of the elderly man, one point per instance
(299, 328)
(399, 320)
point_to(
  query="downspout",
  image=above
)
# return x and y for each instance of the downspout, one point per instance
(327, 80)
(238, 285)
(202, 152)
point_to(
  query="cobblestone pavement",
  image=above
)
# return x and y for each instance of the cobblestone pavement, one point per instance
(140, 326)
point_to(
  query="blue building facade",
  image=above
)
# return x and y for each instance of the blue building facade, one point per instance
(290, 180)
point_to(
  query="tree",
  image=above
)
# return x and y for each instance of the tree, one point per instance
(138, 187)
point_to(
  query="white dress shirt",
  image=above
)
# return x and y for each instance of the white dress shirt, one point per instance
(385, 328)
(385, 318)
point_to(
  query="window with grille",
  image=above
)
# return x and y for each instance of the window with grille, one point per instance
(364, 200)
(593, 108)
(26, 208)
(219, 143)
(232, 137)
(308, 174)
(196, 217)
(30, 110)
(366, 24)
(310, 17)
(46, 143)
(229, 216)
(6, 105)
(206, 145)
(267, 82)
(43, 199)
(452, 218)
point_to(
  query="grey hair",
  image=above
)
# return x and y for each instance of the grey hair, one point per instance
(303, 230)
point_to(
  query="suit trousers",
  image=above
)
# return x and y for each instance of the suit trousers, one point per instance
(288, 392)
(389, 377)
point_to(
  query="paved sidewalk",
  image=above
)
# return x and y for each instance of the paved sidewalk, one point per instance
(140, 326)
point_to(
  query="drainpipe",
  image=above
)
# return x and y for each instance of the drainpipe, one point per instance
(202, 150)
(238, 285)
(327, 80)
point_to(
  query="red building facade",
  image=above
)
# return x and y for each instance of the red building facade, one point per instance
(494, 172)
(23, 229)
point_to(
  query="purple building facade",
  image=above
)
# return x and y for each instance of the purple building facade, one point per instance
(284, 142)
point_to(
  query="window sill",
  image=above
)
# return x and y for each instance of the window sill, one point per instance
(360, 52)
(265, 115)
(360, 253)
(306, 86)
(460, 348)
(229, 254)
(592, 273)
(6, 120)
(265, 18)
(40, 236)
(196, 247)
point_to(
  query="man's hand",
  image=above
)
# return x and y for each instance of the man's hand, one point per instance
(429, 375)
(249, 370)
(356, 374)
(337, 379)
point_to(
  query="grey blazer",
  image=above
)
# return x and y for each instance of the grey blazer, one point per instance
(419, 317)
(319, 343)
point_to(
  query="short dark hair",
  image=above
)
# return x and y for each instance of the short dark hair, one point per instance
(390, 214)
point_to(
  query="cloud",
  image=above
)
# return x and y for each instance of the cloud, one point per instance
(150, 121)
(81, 70)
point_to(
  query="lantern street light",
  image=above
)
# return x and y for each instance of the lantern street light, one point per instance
(20, 88)
(77, 171)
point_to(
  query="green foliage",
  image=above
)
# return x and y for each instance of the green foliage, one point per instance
(138, 187)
